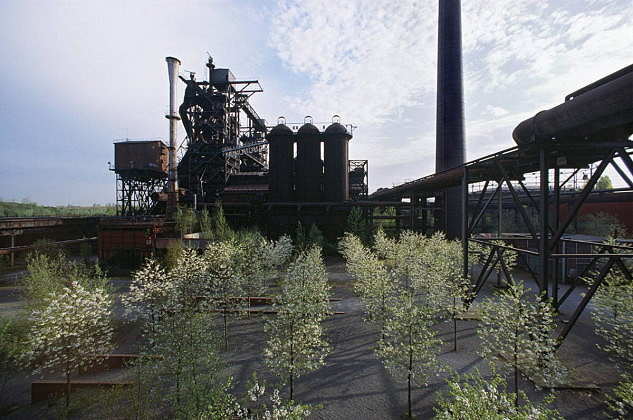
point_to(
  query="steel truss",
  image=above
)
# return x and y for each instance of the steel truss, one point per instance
(134, 194)
(358, 171)
(508, 167)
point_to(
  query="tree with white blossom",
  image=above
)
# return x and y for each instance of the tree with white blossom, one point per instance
(374, 283)
(260, 405)
(472, 397)
(72, 326)
(296, 341)
(258, 260)
(613, 318)
(516, 331)
(222, 283)
(150, 290)
(409, 347)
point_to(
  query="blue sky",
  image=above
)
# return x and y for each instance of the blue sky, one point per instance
(79, 74)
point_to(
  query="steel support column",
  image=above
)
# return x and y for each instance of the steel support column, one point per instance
(544, 250)
(465, 223)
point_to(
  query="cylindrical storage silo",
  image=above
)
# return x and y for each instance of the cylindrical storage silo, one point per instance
(281, 156)
(336, 182)
(309, 166)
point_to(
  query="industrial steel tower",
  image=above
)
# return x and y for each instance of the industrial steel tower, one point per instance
(450, 150)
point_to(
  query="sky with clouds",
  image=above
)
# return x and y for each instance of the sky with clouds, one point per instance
(79, 74)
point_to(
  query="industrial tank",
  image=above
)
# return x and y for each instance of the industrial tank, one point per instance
(309, 166)
(336, 151)
(281, 149)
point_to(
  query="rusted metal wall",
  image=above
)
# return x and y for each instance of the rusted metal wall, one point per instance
(141, 155)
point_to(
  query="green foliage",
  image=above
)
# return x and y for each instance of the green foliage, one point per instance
(315, 237)
(185, 219)
(28, 209)
(304, 240)
(357, 225)
(600, 224)
(51, 272)
(185, 373)
(385, 211)
(206, 224)
(13, 335)
(221, 229)
(472, 397)
(621, 403)
(613, 319)
(258, 260)
(173, 253)
(604, 183)
(516, 331)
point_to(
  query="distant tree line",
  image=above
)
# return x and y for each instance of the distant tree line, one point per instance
(30, 209)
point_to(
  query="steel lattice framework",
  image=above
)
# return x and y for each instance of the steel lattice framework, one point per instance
(224, 133)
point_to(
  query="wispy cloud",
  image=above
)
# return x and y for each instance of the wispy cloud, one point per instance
(79, 74)
(374, 63)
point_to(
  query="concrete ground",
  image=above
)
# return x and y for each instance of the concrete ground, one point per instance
(354, 384)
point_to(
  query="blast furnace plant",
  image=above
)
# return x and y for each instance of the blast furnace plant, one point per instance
(274, 177)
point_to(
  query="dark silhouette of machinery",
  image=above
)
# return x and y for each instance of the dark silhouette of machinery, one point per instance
(311, 177)
(218, 120)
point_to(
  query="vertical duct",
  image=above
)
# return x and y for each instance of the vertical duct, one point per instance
(173, 68)
(450, 149)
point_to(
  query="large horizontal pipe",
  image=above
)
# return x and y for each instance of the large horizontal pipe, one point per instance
(603, 112)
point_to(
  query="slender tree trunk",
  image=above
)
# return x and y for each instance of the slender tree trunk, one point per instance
(292, 359)
(454, 324)
(409, 373)
(67, 386)
(516, 369)
(226, 337)
(138, 390)
(291, 386)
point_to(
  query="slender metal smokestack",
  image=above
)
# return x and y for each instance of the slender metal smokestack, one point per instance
(450, 150)
(173, 68)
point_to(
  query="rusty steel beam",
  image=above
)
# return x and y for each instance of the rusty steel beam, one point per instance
(6, 251)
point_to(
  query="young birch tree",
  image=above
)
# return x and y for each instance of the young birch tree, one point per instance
(222, 281)
(409, 347)
(374, 284)
(71, 327)
(185, 369)
(444, 260)
(516, 331)
(296, 343)
(613, 319)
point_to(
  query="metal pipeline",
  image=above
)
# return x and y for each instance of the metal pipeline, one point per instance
(173, 68)
(602, 111)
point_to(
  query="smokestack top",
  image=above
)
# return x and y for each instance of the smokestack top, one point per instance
(172, 59)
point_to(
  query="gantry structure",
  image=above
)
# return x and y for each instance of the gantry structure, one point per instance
(600, 141)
